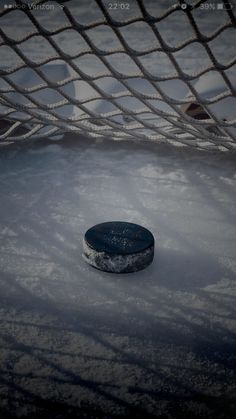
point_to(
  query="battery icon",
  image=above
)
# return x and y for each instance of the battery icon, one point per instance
(224, 6)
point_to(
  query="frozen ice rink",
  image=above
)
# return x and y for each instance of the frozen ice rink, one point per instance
(77, 342)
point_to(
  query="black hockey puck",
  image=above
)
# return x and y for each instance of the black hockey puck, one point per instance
(118, 246)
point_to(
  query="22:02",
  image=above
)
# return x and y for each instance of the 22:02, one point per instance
(115, 6)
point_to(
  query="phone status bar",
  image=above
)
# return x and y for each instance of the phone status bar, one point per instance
(209, 6)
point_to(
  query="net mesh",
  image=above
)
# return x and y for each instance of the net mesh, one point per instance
(114, 103)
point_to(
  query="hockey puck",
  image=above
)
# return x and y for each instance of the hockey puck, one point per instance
(118, 247)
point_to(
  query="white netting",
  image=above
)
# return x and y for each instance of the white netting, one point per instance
(52, 95)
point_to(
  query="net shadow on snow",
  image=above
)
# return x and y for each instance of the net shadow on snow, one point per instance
(58, 372)
(59, 366)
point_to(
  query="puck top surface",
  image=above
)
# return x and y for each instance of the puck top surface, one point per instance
(118, 237)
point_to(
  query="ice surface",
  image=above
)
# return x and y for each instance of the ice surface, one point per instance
(156, 342)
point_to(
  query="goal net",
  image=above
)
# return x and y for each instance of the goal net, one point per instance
(145, 70)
